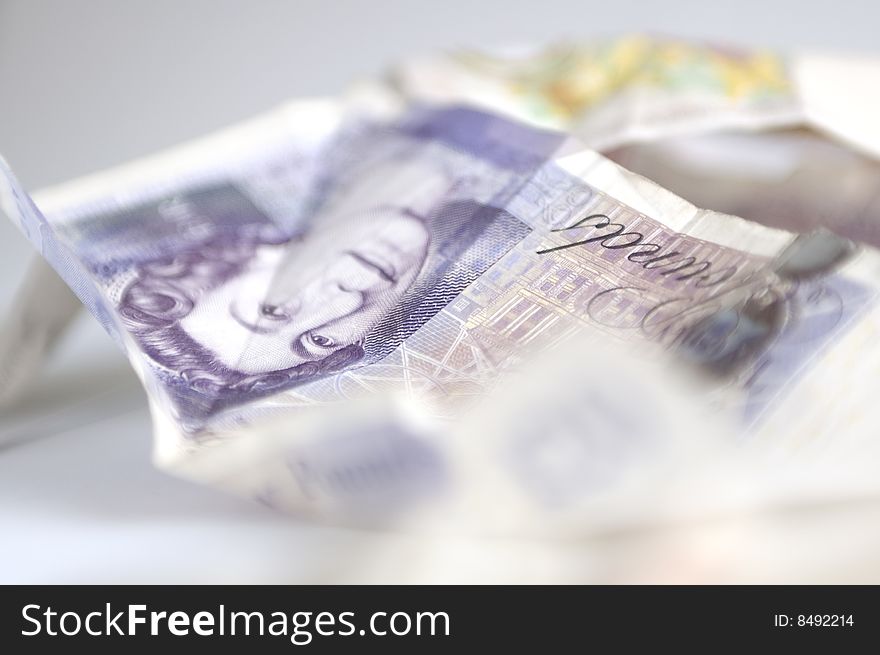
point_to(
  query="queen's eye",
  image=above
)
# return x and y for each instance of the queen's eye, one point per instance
(272, 312)
(321, 341)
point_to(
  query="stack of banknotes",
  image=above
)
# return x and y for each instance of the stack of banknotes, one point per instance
(556, 292)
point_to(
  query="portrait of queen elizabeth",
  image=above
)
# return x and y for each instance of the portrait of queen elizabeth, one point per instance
(242, 309)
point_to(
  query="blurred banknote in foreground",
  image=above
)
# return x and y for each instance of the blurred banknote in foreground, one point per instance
(433, 312)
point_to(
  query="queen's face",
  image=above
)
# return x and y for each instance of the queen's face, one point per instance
(303, 301)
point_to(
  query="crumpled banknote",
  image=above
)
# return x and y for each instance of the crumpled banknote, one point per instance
(379, 308)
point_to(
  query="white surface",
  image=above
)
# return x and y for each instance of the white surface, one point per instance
(86, 85)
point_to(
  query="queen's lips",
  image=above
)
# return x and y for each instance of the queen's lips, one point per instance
(383, 268)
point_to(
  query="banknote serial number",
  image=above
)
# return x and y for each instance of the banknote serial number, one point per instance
(813, 620)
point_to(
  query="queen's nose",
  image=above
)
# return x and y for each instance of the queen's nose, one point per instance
(272, 312)
(320, 304)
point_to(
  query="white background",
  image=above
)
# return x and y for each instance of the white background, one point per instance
(86, 84)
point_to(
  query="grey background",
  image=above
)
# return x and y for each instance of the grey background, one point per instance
(86, 84)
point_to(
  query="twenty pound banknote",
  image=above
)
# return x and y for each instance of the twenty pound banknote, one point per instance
(374, 308)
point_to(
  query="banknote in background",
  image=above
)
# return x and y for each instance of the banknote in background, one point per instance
(795, 179)
(642, 88)
(622, 89)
